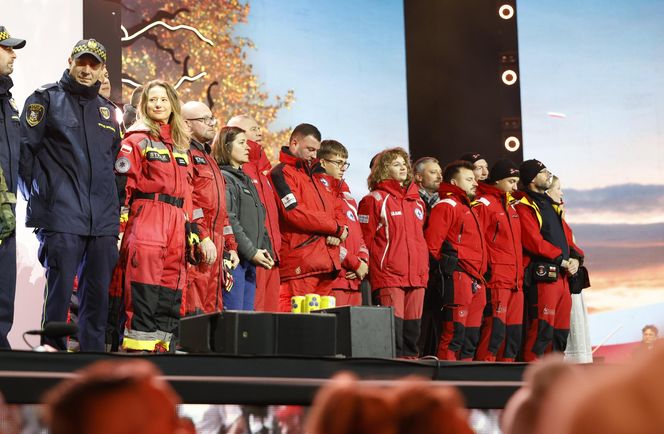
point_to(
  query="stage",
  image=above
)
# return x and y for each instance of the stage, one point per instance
(215, 379)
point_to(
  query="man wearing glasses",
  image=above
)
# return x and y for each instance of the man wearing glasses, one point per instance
(207, 279)
(550, 257)
(10, 136)
(354, 254)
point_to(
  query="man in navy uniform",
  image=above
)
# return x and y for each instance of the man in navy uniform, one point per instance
(9, 153)
(69, 141)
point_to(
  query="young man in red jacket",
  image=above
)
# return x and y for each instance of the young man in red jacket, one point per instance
(258, 169)
(311, 226)
(455, 238)
(550, 257)
(501, 330)
(354, 256)
(206, 281)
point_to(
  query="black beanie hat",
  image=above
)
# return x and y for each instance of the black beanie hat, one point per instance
(503, 169)
(472, 157)
(529, 170)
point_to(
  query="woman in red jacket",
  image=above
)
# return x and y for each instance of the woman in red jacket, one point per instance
(153, 163)
(392, 217)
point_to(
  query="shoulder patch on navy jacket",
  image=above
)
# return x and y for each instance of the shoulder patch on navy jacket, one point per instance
(283, 189)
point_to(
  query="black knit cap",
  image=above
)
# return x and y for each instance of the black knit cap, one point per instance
(472, 157)
(529, 170)
(503, 169)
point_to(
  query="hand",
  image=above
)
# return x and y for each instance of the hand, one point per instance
(344, 234)
(573, 266)
(362, 270)
(263, 259)
(7, 221)
(333, 241)
(235, 259)
(209, 251)
(350, 275)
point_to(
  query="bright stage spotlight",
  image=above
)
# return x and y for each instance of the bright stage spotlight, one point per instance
(512, 144)
(506, 12)
(509, 77)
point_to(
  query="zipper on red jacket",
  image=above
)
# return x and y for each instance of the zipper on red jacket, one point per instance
(495, 235)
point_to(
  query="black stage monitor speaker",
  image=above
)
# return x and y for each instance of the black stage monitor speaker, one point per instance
(259, 333)
(364, 331)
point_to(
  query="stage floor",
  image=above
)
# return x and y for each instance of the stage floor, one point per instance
(261, 380)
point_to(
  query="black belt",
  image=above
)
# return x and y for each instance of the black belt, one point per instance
(166, 198)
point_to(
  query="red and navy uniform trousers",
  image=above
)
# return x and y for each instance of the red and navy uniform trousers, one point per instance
(206, 282)
(152, 274)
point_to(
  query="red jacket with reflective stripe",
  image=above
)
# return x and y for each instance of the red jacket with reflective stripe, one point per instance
(258, 169)
(533, 242)
(307, 216)
(453, 220)
(392, 218)
(209, 198)
(502, 233)
(152, 165)
(352, 250)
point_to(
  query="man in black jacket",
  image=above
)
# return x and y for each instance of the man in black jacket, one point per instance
(9, 152)
(69, 140)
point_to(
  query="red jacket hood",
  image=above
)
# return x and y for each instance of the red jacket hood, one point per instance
(287, 157)
(257, 156)
(484, 189)
(394, 188)
(447, 189)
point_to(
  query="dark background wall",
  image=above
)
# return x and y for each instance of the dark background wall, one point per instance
(101, 21)
(456, 52)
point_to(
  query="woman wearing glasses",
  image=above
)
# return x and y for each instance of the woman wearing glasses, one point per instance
(392, 217)
(247, 216)
(154, 166)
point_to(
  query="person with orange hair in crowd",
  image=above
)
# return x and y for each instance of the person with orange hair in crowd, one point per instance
(392, 218)
(114, 397)
(154, 166)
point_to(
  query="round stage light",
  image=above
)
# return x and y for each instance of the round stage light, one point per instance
(512, 144)
(509, 77)
(506, 12)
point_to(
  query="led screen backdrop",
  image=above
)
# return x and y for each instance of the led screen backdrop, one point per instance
(592, 87)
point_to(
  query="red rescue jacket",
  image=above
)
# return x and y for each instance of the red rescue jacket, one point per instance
(392, 218)
(352, 249)
(307, 216)
(502, 233)
(258, 169)
(209, 198)
(454, 221)
(152, 165)
(534, 244)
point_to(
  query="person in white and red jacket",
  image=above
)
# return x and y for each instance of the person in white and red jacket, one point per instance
(354, 255)
(392, 217)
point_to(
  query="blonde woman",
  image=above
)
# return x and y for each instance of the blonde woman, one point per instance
(392, 217)
(154, 166)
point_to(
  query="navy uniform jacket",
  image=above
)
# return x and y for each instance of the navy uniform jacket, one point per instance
(9, 134)
(69, 140)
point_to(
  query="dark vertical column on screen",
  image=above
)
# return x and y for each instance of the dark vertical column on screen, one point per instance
(101, 21)
(463, 79)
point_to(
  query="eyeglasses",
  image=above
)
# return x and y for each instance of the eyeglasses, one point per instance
(340, 164)
(208, 120)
